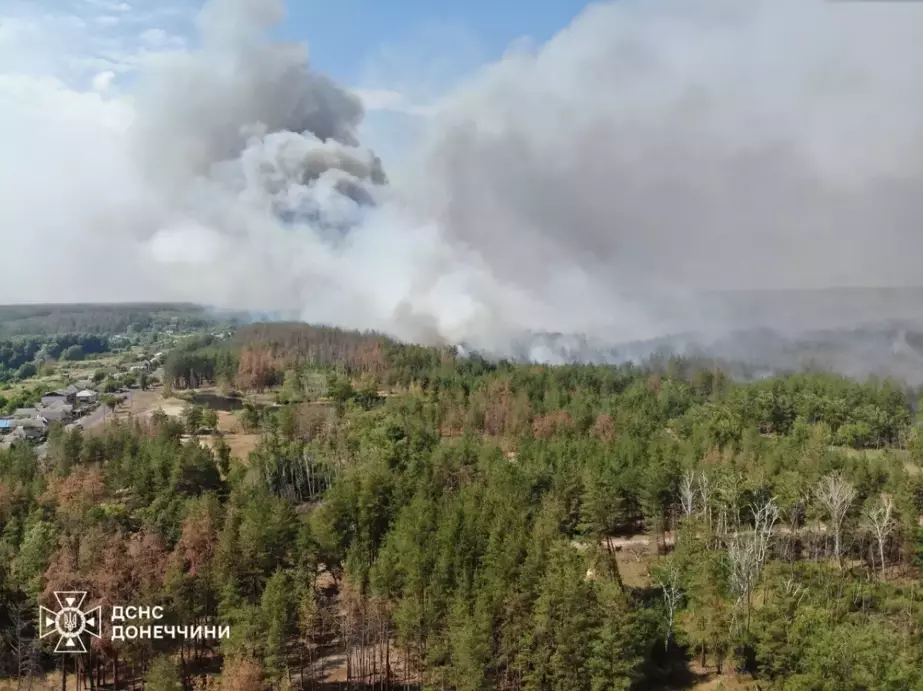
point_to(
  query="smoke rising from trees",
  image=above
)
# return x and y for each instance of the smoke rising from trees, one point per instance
(602, 183)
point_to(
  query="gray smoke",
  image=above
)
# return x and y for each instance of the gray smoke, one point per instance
(625, 181)
(655, 152)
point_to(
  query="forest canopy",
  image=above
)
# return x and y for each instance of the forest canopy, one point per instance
(457, 523)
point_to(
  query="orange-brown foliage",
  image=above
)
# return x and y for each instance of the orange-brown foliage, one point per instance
(545, 426)
(497, 408)
(604, 427)
(312, 421)
(242, 674)
(77, 493)
(129, 567)
(293, 343)
(63, 571)
(7, 498)
(256, 369)
(196, 545)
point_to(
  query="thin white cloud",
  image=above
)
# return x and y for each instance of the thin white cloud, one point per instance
(86, 37)
(393, 101)
(103, 81)
(158, 39)
(109, 5)
(153, 37)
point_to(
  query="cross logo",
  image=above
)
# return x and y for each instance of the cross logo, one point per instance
(70, 622)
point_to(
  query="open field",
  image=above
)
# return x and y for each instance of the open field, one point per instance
(241, 444)
(143, 404)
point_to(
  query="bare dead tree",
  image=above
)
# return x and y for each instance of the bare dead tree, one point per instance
(748, 552)
(728, 493)
(879, 521)
(687, 492)
(795, 590)
(795, 513)
(705, 492)
(667, 577)
(836, 494)
(765, 518)
(24, 647)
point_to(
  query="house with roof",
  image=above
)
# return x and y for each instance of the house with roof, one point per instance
(66, 395)
(32, 428)
(87, 397)
(59, 412)
(52, 398)
(24, 413)
(12, 430)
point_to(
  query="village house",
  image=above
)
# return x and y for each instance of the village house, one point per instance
(53, 398)
(23, 428)
(59, 412)
(87, 397)
(33, 428)
(68, 395)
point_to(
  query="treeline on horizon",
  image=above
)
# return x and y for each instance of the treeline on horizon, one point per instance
(26, 350)
(453, 523)
(262, 356)
(104, 319)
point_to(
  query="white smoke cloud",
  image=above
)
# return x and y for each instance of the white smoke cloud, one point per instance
(598, 183)
(102, 81)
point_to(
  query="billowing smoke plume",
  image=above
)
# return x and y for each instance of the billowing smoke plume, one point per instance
(605, 183)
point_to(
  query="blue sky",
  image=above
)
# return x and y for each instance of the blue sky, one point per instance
(346, 35)
(415, 49)
(400, 56)
(348, 39)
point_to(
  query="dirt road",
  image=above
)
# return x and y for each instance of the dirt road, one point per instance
(99, 415)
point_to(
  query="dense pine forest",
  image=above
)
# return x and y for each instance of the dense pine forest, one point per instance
(414, 518)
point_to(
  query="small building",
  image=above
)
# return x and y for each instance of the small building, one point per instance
(66, 395)
(23, 413)
(60, 412)
(22, 429)
(32, 428)
(87, 397)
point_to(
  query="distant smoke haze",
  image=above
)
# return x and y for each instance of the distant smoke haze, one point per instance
(614, 182)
